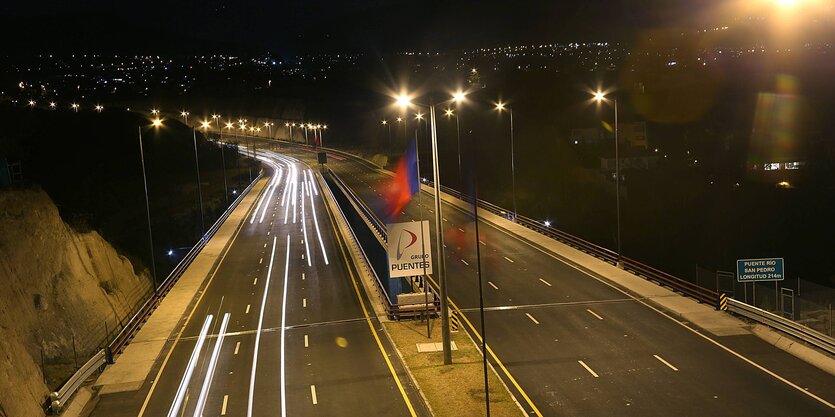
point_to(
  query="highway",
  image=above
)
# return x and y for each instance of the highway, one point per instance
(282, 328)
(571, 344)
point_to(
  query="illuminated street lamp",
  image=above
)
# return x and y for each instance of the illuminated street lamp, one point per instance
(31, 103)
(404, 101)
(500, 107)
(290, 128)
(458, 97)
(269, 126)
(52, 105)
(155, 112)
(156, 123)
(184, 114)
(205, 126)
(386, 124)
(600, 97)
(99, 108)
(75, 107)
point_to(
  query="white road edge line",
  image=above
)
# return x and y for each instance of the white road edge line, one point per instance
(591, 371)
(666, 363)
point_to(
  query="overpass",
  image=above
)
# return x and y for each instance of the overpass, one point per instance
(568, 333)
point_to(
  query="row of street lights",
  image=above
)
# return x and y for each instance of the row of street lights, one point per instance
(74, 106)
(404, 101)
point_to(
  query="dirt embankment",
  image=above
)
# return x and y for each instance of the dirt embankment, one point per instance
(60, 292)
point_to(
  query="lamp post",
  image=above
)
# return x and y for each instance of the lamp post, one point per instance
(184, 114)
(405, 101)
(52, 105)
(502, 107)
(204, 126)
(600, 97)
(386, 124)
(99, 108)
(75, 107)
(156, 123)
(322, 136)
(269, 127)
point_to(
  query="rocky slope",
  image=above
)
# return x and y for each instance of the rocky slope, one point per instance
(60, 291)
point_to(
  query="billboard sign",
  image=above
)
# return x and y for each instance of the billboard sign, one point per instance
(409, 249)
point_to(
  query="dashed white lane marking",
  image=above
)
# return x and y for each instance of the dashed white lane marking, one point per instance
(493, 285)
(545, 282)
(265, 245)
(508, 259)
(482, 243)
(237, 347)
(462, 230)
(531, 317)
(247, 308)
(465, 262)
(302, 256)
(255, 281)
(594, 314)
(444, 218)
(260, 261)
(665, 362)
(306, 344)
(591, 371)
(302, 276)
(223, 407)
(313, 394)
(268, 232)
(304, 302)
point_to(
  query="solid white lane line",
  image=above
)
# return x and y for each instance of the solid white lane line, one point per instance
(465, 262)
(591, 371)
(247, 308)
(210, 371)
(508, 259)
(258, 333)
(545, 282)
(306, 344)
(493, 285)
(283, 326)
(192, 363)
(594, 314)
(237, 347)
(531, 317)
(316, 223)
(223, 407)
(313, 394)
(665, 362)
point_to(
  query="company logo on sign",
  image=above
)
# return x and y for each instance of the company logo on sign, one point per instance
(409, 249)
(400, 248)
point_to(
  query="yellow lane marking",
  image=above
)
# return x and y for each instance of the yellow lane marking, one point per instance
(492, 354)
(368, 318)
(188, 319)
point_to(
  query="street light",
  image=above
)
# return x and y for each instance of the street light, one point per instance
(184, 115)
(99, 108)
(404, 101)
(156, 123)
(155, 112)
(386, 123)
(600, 97)
(205, 126)
(500, 107)
(52, 105)
(75, 107)
(269, 126)
(31, 103)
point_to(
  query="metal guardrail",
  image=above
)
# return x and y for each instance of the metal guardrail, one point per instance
(784, 325)
(105, 356)
(58, 398)
(687, 288)
(393, 309)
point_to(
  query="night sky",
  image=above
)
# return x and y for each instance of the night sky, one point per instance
(319, 25)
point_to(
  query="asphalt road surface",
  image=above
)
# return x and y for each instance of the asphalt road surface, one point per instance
(570, 344)
(281, 329)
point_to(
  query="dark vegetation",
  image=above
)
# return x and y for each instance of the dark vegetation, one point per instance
(89, 164)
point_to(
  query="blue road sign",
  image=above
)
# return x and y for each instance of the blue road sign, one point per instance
(766, 269)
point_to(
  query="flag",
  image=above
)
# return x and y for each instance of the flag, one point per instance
(405, 183)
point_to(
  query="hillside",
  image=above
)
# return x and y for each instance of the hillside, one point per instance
(59, 287)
